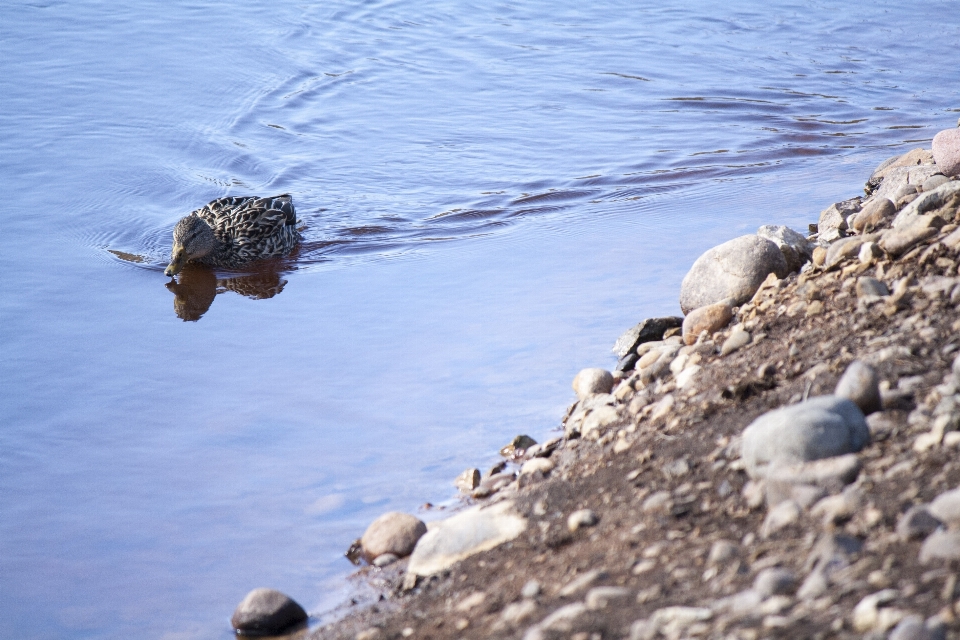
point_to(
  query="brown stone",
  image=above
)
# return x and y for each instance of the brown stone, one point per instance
(876, 213)
(710, 318)
(393, 532)
(946, 151)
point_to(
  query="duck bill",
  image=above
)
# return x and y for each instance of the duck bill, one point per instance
(177, 259)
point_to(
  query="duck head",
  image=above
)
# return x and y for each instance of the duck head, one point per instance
(192, 240)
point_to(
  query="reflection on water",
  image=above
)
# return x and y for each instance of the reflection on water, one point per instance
(198, 285)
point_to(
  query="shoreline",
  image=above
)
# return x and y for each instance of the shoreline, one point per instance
(647, 518)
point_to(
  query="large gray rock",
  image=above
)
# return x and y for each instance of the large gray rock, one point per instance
(649, 330)
(928, 201)
(593, 380)
(905, 177)
(796, 249)
(734, 269)
(460, 536)
(819, 428)
(946, 151)
(267, 612)
(393, 532)
(834, 218)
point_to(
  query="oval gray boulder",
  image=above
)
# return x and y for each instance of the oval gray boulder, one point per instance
(734, 269)
(267, 612)
(393, 532)
(818, 428)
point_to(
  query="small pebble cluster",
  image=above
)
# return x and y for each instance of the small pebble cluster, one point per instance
(781, 461)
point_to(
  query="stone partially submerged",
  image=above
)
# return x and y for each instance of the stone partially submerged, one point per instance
(821, 427)
(734, 269)
(267, 612)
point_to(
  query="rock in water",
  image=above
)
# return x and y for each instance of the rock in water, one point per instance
(946, 151)
(818, 428)
(734, 269)
(267, 612)
(647, 331)
(393, 532)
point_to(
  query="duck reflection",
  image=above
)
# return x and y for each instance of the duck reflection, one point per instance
(198, 285)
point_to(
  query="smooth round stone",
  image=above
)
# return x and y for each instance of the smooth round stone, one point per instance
(267, 612)
(946, 151)
(531, 589)
(796, 249)
(773, 581)
(860, 382)
(876, 213)
(819, 428)
(543, 465)
(917, 522)
(591, 381)
(946, 507)
(738, 339)
(867, 286)
(933, 182)
(940, 545)
(711, 318)
(734, 269)
(393, 532)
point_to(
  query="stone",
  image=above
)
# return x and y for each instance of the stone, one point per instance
(649, 330)
(686, 378)
(946, 151)
(581, 582)
(734, 269)
(946, 507)
(875, 214)
(916, 522)
(834, 217)
(592, 380)
(796, 249)
(393, 532)
(562, 619)
(913, 627)
(870, 287)
(517, 612)
(581, 519)
(901, 177)
(818, 428)
(927, 202)
(601, 597)
(518, 446)
(710, 318)
(845, 248)
(738, 339)
(531, 589)
(626, 363)
(869, 616)
(596, 422)
(469, 532)
(934, 181)
(471, 601)
(267, 612)
(721, 552)
(900, 239)
(837, 509)
(940, 545)
(860, 384)
(869, 253)
(773, 581)
(780, 517)
(372, 633)
(467, 481)
(385, 559)
(543, 465)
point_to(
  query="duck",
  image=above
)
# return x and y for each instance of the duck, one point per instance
(232, 231)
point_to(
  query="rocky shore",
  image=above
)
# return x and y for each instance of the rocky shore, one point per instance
(782, 461)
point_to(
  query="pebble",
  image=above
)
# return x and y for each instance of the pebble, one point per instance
(899, 240)
(838, 508)
(738, 339)
(869, 252)
(773, 581)
(781, 516)
(928, 201)
(581, 519)
(834, 218)
(656, 501)
(875, 214)
(946, 507)
(818, 428)
(467, 481)
(734, 269)
(934, 181)
(860, 383)
(916, 522)
(464, 534)
(543, 465)
(940, 545)
(267, 612)
(870, 615)
(912, 627)
(517, 612)
(393, 532)
(721, 552)
(710, 318)
(867, 286)
(663, 407)
(580, 583)
(686, 378)
(601, 597)
(531, 589)
(846, 248)
(471, 601)
(946, 151)
(592, 380)
(385, 559)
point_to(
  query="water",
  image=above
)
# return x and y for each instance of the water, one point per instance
(492, 192)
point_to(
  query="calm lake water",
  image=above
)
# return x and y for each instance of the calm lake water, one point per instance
(492, 192)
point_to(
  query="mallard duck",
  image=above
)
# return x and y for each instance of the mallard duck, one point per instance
(233, 231)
